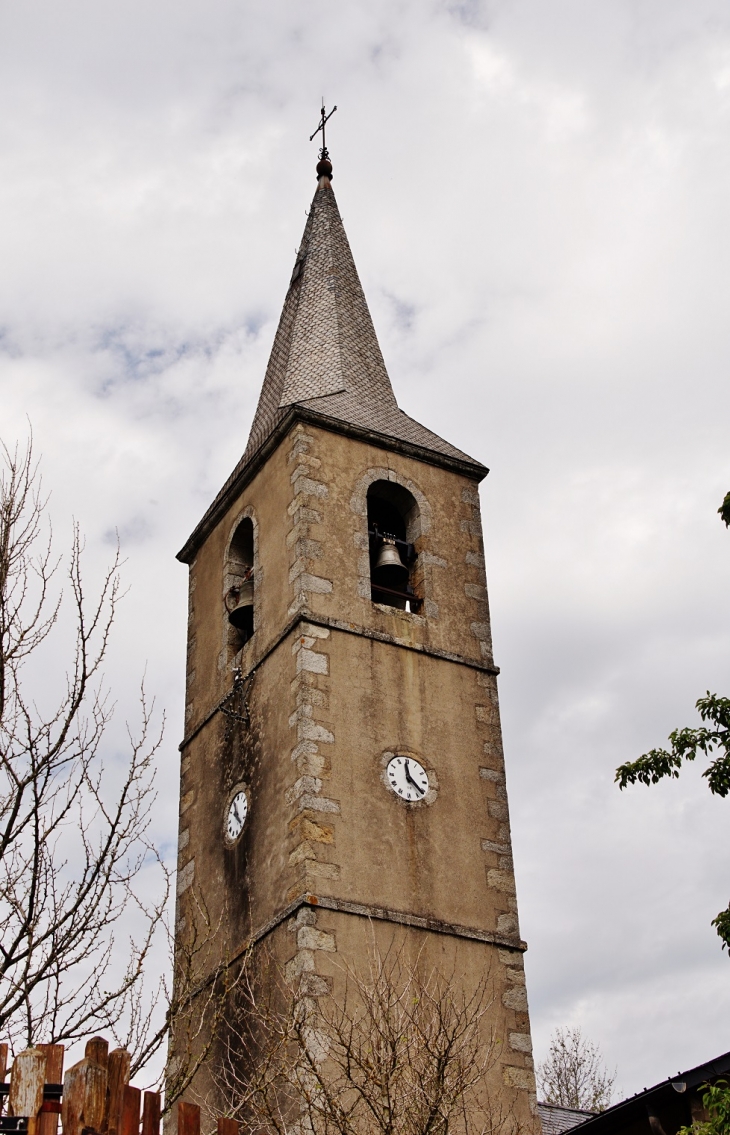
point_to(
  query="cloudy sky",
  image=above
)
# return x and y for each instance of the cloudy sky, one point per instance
(537, 199)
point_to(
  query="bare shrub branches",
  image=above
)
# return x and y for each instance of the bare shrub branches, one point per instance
(74, 835)
(205, 986)
(401, 1050)
(574, 1074)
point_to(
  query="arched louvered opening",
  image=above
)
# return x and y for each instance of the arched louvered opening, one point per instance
(239, 583)
(392, 524)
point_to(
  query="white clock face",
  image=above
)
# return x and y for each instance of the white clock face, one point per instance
(407, 778)
(236, 818)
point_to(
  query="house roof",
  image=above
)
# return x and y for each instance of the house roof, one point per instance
(555, 1119)
(666, 1104)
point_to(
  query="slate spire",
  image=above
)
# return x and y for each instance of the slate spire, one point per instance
(326, 357)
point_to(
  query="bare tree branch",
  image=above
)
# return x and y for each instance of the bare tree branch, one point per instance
(574, 1075)
(205, 986)
(73, 840)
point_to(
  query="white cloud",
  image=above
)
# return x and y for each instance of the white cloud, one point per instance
(536, 196)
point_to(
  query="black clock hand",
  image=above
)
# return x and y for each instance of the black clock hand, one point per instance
(235, 811)
(410, 779)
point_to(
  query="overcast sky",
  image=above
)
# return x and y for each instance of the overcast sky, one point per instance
(537, 199)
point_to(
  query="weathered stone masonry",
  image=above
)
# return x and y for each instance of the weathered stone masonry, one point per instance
(312, 824)
(310, 495)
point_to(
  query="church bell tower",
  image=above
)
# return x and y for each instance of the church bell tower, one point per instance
(342, 775)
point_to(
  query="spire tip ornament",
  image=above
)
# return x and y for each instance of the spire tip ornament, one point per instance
(324, 165)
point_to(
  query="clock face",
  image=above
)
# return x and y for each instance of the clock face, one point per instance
(236, 818)
(407, 778)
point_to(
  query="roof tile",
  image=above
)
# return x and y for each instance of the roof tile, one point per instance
(326, 355)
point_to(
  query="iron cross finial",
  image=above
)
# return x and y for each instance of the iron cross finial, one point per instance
(323, 153)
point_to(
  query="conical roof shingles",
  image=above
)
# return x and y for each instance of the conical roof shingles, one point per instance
(326, 356)
(314, 368)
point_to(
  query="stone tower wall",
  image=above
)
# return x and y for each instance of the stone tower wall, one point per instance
(331, 860)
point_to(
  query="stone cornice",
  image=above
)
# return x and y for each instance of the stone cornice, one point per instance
(345, 628)
(382, 914)
(243, 474)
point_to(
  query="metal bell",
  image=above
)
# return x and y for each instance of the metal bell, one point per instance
(391, 571)
(240, 607)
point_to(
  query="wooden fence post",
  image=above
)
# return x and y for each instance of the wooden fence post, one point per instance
(53, 1075)
(117, 1081)
(97, 1096)
(27, 1078)
(3, 1070)
(97, 1050)
(84, 1097)
(151, 1111)
(188, 1118)
(130, 1111)
(54, 1062)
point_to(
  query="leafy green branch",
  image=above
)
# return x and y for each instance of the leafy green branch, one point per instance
(716, 1102)
(686, 744)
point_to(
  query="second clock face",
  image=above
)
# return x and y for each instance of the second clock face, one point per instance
(407, 778)
(236, 818)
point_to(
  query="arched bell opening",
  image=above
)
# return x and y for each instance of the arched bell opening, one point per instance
(239, 584)
(392, 526)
